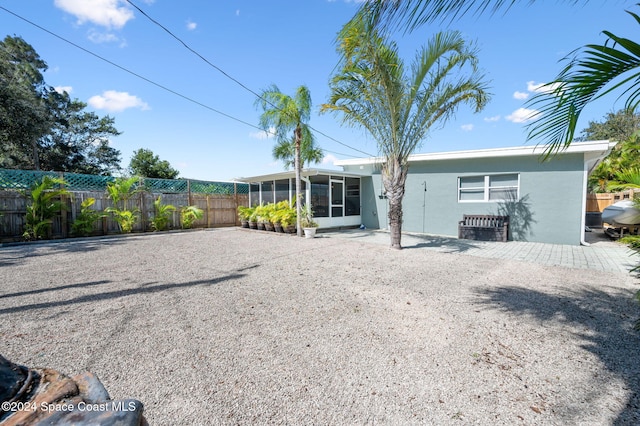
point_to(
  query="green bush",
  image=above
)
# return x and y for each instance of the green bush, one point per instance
(83, 224)
(43, 205)
(120, 191)
(162, 213)
(189, 214)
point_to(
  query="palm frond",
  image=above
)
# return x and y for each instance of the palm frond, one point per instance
(408, 15)
(594, 71)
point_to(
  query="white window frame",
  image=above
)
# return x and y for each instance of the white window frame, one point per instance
(486, 187)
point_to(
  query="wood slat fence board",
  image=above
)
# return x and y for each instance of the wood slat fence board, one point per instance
(598, 202)
(219, 211)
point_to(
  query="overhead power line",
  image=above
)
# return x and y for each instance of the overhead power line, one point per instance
(149, 80)
(217, 68)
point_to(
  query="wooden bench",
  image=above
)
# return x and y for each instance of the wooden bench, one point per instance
(483, 227)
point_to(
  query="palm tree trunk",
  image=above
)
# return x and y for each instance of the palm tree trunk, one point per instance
(394, 177)
(297, 166)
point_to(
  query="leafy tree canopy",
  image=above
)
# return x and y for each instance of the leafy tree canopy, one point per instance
(614, 171)
(145, 163)
(42, 129)
(617, 126)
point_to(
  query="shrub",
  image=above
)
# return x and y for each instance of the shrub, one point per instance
(83, 224)
(44, 203)
(162, 212)
(189, 214)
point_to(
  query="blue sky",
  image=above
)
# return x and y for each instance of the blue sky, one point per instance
(287, 43)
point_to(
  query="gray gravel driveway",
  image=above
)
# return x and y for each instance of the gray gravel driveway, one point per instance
(235, 327)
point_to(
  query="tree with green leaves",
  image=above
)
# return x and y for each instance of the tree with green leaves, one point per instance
(145, 163)
(24, 117)
(288, 114)
(372, 90)
(78, 140)
(617, 126)
(623, 127)
(42, 129)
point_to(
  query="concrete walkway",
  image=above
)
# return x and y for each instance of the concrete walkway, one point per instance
(601, 255)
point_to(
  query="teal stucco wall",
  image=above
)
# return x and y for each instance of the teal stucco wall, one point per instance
(549, 208)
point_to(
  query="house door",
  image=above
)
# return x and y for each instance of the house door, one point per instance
(337, 198)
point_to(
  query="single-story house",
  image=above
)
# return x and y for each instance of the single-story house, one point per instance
(545, 200)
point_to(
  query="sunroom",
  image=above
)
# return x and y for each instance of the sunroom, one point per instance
(334, 195)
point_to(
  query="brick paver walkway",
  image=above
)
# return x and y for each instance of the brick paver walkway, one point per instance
(602, 255)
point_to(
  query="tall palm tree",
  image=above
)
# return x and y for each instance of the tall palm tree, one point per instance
(372, 91)
(593, 72)
(285, 150)
(288, 114)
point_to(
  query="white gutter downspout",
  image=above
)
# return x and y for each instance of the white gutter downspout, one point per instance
(583, 221)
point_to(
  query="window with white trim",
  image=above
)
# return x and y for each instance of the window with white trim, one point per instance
(502, 187)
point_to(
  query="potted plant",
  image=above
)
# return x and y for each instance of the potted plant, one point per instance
(288, 220)
(277, 215)
(269, 211)
(244, 213)
(253, 218)
(261, 216)
(306, 221)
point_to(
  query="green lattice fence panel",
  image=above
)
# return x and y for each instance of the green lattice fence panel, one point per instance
(202, 187)
(81, 182)
(21, 179)
(166, 185)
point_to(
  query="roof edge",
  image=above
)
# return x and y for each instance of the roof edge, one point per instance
(602, 146)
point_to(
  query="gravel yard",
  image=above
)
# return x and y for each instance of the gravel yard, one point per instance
(245, 327)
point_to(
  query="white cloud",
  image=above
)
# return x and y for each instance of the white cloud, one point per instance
(116, 101)
(329, 159)
(191, 25)
(467, 127)
(62, 89)
(262, 134)
(534, 87)
(520, 96)
(492, 119)
(238, 12)
(100, 37)
(106, 13)
(522, 115)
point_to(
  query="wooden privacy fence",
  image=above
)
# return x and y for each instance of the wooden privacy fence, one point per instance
(220, 209)
(598, 202)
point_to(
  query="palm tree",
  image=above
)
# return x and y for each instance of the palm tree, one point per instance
(625, 179)
(372, 91)
(287, 114)
(285, 150)
(593, 72)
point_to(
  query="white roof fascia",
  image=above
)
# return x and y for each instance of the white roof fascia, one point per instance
(596, 148)
(292, 174)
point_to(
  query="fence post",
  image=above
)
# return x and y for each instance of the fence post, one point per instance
(208, 212)
(189, 192)
(63, 210)
(235, 197)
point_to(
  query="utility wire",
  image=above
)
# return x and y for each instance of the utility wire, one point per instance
(232, 78)
(151, 81)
